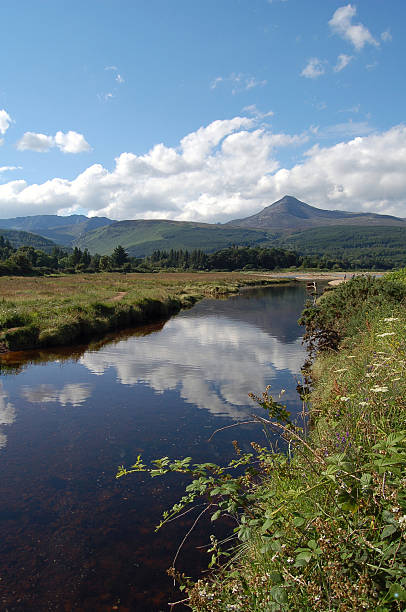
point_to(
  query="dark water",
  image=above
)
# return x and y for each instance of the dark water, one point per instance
(72, 537)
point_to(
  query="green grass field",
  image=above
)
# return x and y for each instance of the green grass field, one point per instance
(53, 311)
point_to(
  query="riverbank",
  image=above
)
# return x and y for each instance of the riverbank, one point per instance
(39, 312)
(323, 526)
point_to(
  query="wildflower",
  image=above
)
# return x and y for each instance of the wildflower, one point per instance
(390, 319)
(345, 399)
(385, 334)
(341, 370)
(379, 389)
(363, 403)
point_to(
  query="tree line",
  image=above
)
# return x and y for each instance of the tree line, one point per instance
(28, 260)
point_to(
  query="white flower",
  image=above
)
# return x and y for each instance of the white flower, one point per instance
(390, 319)
(379, 389)
(342, 370)
(363, 403)
(345, 399)
(385, 334)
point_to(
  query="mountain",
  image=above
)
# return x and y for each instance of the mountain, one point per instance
(62, 230)
(19, 238)
(379, 246)
(140, 238)
(290, 214)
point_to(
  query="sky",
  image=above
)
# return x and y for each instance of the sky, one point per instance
(201, 110)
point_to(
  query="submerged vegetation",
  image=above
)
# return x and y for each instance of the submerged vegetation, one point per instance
(322, 525)
(52, 311)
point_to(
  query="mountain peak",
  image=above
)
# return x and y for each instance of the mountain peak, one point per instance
(291, 214)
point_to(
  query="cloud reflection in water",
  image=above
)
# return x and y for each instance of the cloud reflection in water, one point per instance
(7, 414)
(73, 393)
(214, 362)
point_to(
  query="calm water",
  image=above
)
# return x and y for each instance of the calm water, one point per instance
(72, 537)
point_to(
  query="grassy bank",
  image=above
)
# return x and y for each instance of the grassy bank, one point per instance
(323, 526)
(55, 311)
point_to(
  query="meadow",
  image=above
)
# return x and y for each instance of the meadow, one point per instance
(60, 310)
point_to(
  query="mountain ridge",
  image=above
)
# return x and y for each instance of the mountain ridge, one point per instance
(290, 214)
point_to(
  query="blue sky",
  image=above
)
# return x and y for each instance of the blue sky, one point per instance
(201, 110)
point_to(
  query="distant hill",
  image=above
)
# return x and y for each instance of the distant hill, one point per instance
(62, 230)
(290, 214)
(385, 245)
(19, 238)
(141, 238)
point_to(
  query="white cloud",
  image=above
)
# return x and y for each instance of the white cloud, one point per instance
(313, 69)
(342, 61)
(358, 35)
(69, 142)
(230, 169)
(386, 36)
(5, 121)
(32, 141)
(257, 114)
(9, 168)
(345, 130)
(239, 82)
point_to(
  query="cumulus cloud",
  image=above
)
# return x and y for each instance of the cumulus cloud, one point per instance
(69, 142)
(32, 141)
(5, 121)
(230, 169)
(342, 61)
(358, 35)
(313, 69)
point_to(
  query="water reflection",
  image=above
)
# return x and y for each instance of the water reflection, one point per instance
(72, 537)
(7, 414)
(213, 362)
(73, 393)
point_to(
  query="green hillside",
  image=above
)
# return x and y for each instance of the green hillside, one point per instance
(20, 238)
(386, 246)
(141, 238)
(62, 230)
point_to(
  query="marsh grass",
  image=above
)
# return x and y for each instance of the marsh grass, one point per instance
(52, 311)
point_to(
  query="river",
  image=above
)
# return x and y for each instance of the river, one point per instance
(72, 537)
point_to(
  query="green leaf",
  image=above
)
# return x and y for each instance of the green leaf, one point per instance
(279, 595)
(388, 530)
(216, 515)
(265, 526)
(303, 558)
(298, 521)
(397, 592)
(276, 578)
